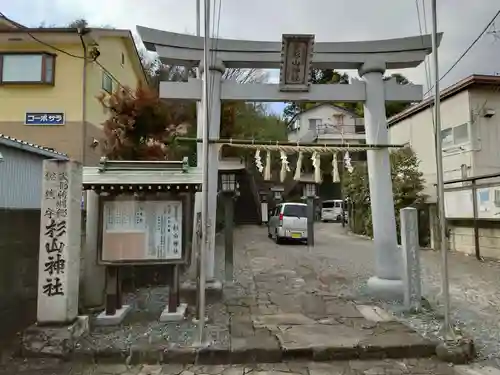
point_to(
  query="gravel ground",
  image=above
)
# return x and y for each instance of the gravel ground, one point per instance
(341, 262)
(344, 263)
(474, 287)
(387, 367)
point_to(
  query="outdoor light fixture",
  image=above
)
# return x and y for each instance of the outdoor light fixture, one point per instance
(309, 190)
(263, 196)
(228, 182)
(277, 192)
(1, 157)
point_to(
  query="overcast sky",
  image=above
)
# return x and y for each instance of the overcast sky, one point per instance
(330, 20)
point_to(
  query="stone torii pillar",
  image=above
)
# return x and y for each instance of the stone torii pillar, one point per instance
(387, 280)
(214, 77)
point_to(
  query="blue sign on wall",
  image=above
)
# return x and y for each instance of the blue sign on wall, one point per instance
(48, 118)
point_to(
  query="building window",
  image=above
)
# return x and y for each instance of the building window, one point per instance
(27, 68)
(455, 136)
(107, 82)
(461, 134)
(314, 123)
(497, 198)
(338, 119)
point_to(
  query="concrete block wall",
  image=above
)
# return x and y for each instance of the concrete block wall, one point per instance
(462, 240)
(19, 247)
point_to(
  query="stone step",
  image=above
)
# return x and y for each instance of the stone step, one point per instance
(264, 339)
(254, 350)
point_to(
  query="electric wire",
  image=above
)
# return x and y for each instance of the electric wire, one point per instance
(422, 30)
(467, 50)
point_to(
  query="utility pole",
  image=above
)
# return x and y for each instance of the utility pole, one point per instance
(204, 208)
(447, 329)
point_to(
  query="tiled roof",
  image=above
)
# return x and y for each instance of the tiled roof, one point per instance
(31, 147)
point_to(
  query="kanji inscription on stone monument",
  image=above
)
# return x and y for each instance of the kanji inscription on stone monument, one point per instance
(59, 256)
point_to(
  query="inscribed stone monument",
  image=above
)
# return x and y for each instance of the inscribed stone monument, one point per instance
(60, 228)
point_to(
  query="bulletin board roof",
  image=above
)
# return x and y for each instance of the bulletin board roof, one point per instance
(95, 176)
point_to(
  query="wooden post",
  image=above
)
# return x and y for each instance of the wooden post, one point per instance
(188, 220)
(176, 285)
(111, 289)
(228, 235)
(310, 221)
(172, 304)
(119, 294)
(475, 222)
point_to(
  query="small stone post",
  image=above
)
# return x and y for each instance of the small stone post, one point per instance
(411, 259)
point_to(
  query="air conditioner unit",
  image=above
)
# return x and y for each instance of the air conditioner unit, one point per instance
(488, 112)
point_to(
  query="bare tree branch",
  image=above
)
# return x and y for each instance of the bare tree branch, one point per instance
(245, 75)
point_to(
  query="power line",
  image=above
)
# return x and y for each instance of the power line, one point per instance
(467, 50)
(426, 60)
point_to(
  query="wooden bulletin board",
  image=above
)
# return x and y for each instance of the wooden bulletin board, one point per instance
(150, 230)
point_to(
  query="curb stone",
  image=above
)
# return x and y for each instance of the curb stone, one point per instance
(247, 355)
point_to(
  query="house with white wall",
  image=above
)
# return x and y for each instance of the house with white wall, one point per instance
(327, 123)
(470, 134)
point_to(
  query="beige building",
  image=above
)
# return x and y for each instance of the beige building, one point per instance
(470, 134)
(48, 90)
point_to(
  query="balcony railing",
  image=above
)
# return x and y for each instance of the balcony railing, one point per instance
(340, 129)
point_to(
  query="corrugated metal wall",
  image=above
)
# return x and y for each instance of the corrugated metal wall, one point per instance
(20, 179)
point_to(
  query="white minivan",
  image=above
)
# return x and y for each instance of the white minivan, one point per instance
(331, 210)
(288, 221)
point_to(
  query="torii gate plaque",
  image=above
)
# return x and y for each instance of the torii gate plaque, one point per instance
(296, 55)
(370, 58)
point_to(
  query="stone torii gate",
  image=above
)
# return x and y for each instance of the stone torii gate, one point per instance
(369, 58)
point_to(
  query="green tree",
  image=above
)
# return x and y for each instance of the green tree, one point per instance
(78, 23)
(407, 186)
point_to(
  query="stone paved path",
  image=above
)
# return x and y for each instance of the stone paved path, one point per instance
(474, 287)
(387, 367)
(287, 301)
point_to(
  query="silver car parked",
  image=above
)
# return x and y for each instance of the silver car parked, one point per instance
(288, 221)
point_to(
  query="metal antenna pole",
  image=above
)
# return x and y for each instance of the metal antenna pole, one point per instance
(204, 209)
(447, 331)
